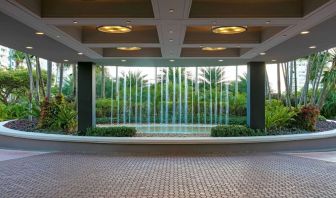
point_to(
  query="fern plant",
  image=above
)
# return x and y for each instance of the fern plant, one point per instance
(278, 115)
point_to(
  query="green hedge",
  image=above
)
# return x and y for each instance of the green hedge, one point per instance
(234, 131)
(111, 131)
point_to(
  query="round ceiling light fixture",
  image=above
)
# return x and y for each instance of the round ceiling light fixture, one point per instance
(114, 29)
(213, 48)
(39, 33)
(129, 48)
(228, 29)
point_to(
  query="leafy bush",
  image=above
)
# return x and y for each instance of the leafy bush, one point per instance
(17, 111)
(307, 117)
(277, 115)
(103, 108)
(58, 114)
(329, 108)
(111, 131)
(234, 131)
(322, 118)
(238, 106)
(237, 120)
(103, 120)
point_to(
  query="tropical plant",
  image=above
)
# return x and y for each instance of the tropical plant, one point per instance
(307, 117)
(58, 114)
(277, 115)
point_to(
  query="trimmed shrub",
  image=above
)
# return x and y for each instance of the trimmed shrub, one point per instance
(111, 131)
(277, 115)
(307, 117)
(234, 131)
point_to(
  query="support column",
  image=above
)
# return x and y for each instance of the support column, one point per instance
(86, 96)
(256, 95)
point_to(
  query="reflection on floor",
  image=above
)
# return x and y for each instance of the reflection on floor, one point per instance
(16, 154)
(329, 156)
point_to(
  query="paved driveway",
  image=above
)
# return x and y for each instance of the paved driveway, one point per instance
(146, 175)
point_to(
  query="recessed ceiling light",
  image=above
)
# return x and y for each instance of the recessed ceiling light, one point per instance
(65, 60)
(238, 46)
(262, 53)
(312, 47)
(171, 10)
(171, 60)
(75, 22)
(213, 48)
(123, 60)
(58, 36)
(268, 22)
(39, 33)
(273, 60)
(228, 29)
(114, 29)
(128, 22)
(29, 47)
(170, 31)
(80, 53)
(171, 40)
(129, 48)
(304, 32)
(220, 60)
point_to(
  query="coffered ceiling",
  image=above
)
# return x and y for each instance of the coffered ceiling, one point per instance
(168, 32)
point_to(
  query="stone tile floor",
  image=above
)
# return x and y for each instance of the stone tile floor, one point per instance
(174, 175)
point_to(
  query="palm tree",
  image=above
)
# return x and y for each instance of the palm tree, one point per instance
(329, 80)
(49, 79)
(213, 75)
(18, 57)
(103, 85)
(31, 84)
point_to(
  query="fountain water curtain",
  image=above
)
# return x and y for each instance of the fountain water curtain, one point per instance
(140, 107)
(130, 98)
(161, 104)
(118, 98)
(170, 96)
(167, 95)
(124, 102)
(136, 100)
(180, 96)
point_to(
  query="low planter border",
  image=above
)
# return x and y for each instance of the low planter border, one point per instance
(164, 140)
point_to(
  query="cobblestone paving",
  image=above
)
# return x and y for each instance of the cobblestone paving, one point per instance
(194, 175)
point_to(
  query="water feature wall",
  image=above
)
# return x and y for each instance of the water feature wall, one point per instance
(170, 95)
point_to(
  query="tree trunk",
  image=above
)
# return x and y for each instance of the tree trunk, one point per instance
(279, 81)
(39, 74)
(49, 79)
(236, 85)
(31, 86)
(306, 86)
(74, 78)
(326, 87)
(37, 82)
(295, 84)
(103, 82)
(60, 85)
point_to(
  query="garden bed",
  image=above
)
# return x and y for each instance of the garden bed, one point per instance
(30, 126)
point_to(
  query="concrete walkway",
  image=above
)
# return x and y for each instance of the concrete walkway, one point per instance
(16, 154)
